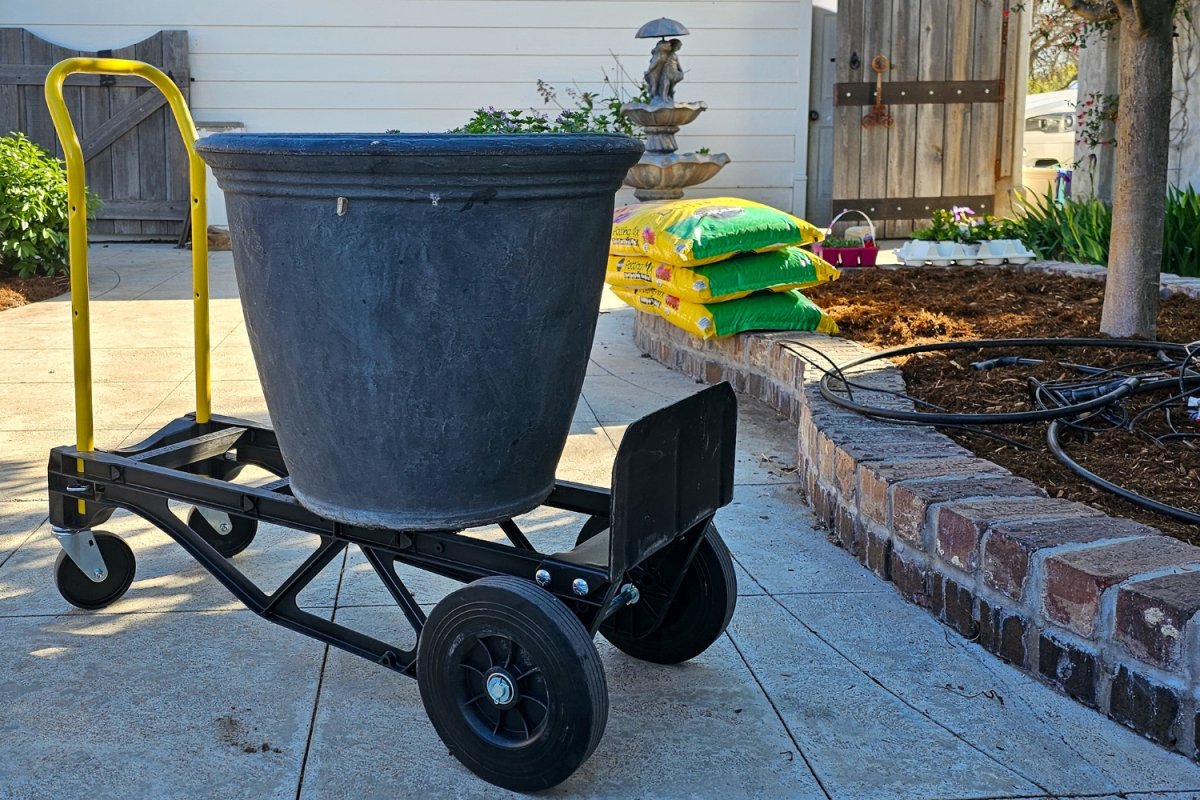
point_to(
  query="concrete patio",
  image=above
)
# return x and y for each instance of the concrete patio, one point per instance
(827, 684)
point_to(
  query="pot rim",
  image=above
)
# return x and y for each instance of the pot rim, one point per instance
(375, 145)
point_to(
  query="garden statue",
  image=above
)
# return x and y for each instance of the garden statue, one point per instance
(664, 71)
(662, 173)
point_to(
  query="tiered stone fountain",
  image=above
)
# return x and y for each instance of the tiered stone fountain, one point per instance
(662, 173)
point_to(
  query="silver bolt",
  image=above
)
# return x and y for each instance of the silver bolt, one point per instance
(542, 577)
(99, 573)
(500, 689)
(224, 527)
(579, 586)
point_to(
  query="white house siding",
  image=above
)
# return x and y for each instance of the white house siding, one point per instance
(373, 65)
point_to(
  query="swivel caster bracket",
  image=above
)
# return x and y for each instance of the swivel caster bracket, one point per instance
(80, 547)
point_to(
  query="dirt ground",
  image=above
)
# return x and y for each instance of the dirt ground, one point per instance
(22, 291)
(892, 308)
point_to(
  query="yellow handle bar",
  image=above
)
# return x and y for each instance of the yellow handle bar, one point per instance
(78, 240)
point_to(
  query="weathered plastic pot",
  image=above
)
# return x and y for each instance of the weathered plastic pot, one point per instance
(420, 308)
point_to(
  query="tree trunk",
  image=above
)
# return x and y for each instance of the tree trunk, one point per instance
(1135, 250)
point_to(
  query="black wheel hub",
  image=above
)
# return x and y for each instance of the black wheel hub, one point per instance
(501, 688)
(505, 699)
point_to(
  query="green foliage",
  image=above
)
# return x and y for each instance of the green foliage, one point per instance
(33, 209)
(1181, 233)
(1092, 118)
(960, 224)
(1053, 80)
(943, 228)
(834, 242)
(1079, 230)
(1055, 38)
(588, 112)
(1073, 230)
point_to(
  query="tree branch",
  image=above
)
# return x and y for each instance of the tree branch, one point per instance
(1094, 11)
(1139, 14)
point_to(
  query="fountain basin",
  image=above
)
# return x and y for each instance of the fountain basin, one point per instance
(663, 115)
(663, 176)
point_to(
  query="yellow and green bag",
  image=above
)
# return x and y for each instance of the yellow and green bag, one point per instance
(765, 311)
(777, 270)
(696, 232)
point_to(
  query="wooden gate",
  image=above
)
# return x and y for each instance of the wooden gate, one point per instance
(951, 91)
(134, 156)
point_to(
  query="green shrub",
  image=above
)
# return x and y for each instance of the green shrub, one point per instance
(1073, 230)
(1079, 230)
(1181, 233)
(33, 209)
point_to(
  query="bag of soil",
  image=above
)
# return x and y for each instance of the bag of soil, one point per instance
(696, 232)
(777, 270)
(764, 311)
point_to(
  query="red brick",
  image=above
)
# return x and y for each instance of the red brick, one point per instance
(850, 458)
(845, 526)
(758, 349)
(714, 372)
(960, 526)
(824, 502)
(912, 499)
(791, 369)
(910, 573)
(1150, 709)
(957, 606)
(1011, 547)
(1152, 614)
(1070, 668)
(874, 478)
(1076, 580)
(1002, 632)
(877, 554)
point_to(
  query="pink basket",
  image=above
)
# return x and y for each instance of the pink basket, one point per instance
(850, 256)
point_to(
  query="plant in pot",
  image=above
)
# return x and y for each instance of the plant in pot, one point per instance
(960, 236)
(856, 249)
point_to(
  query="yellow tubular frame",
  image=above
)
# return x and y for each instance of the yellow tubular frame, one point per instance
(78, 240)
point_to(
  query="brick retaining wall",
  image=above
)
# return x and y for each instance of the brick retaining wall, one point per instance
(1104, 609)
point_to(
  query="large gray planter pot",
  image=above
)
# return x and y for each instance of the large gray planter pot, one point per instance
(421, 308)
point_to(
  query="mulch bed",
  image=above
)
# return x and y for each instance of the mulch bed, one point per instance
(16, 292)
(892, 308)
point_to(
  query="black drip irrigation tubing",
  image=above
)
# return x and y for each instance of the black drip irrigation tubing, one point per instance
(1096, 397)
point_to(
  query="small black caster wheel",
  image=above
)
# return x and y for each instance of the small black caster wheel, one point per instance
(82, 592)
(237, 539)
(512, 683)
(694, 619)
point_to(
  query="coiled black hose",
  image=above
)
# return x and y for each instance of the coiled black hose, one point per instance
(1098, 395)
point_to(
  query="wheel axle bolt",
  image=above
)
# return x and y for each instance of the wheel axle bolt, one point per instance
(542, 577)
(500, 689)
(225, 527)
(580, 587)
(99, 573)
